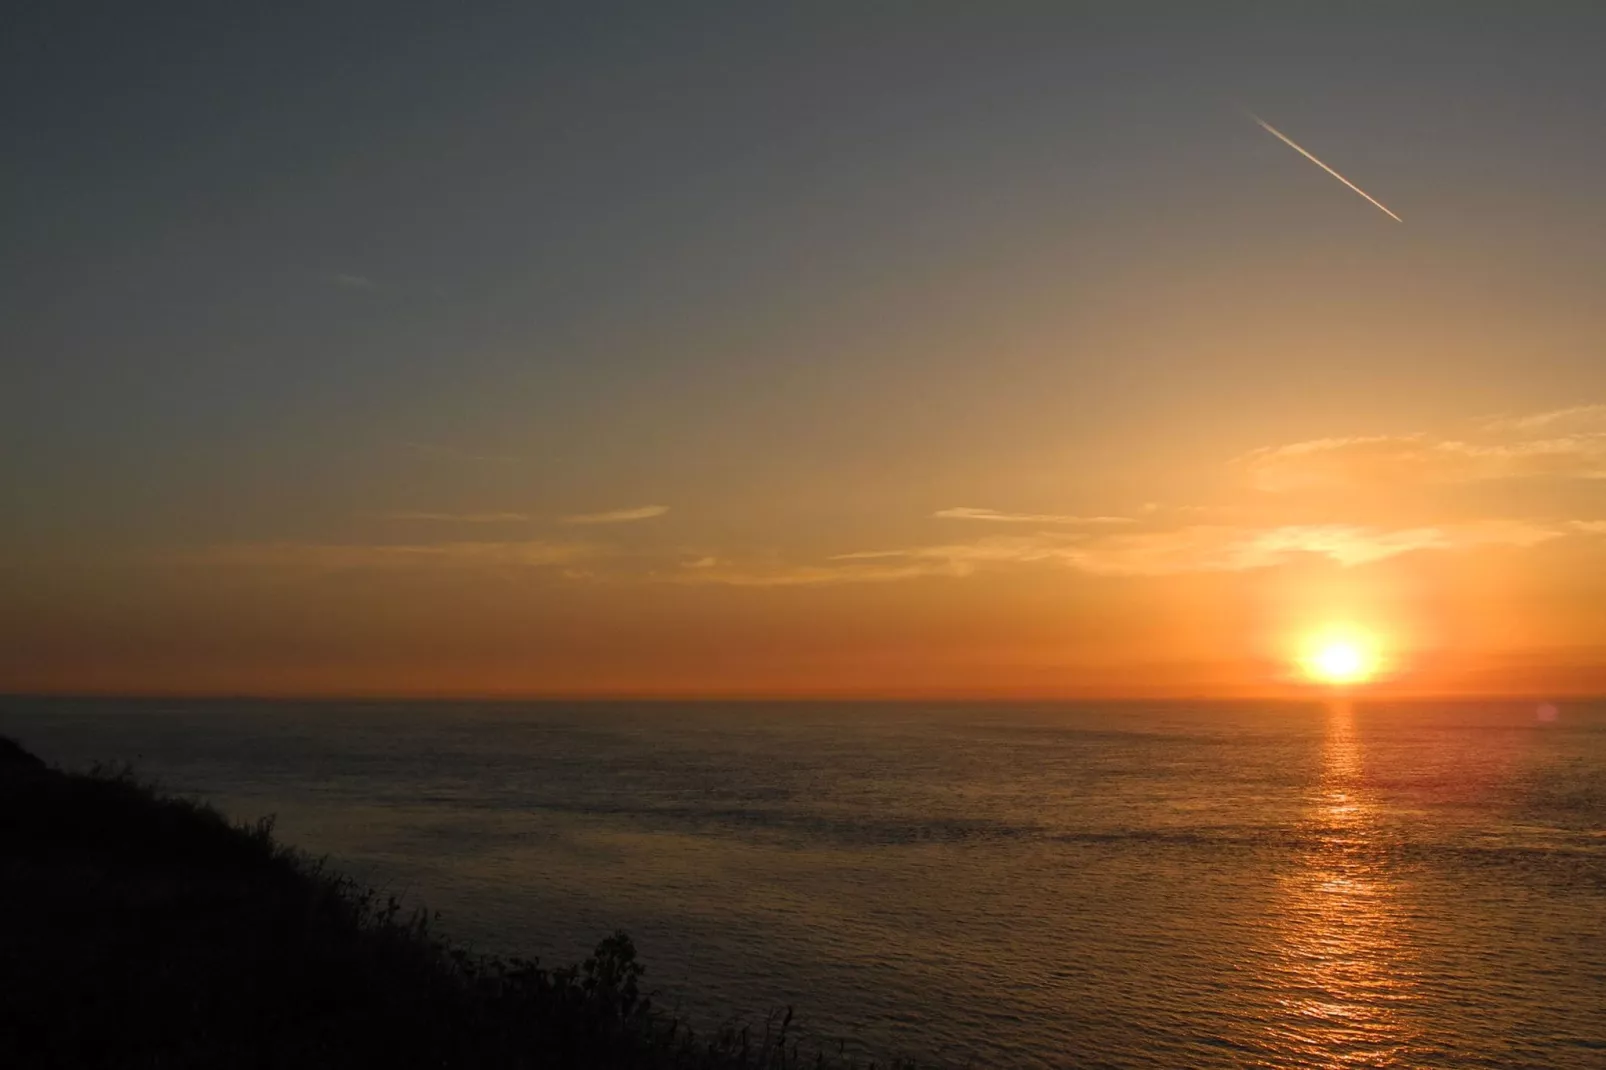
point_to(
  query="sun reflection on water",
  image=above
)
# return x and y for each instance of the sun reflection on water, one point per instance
(1346, 972)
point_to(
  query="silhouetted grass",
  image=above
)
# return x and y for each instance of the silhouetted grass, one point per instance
(141, 930)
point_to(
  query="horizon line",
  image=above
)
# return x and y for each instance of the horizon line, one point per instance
(1312, 694)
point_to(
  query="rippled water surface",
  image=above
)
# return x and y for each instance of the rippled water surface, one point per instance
(1033, 886)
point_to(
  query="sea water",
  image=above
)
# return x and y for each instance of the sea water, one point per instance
(1111, 885)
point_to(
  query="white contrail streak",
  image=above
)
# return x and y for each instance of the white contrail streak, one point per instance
(1291, 143)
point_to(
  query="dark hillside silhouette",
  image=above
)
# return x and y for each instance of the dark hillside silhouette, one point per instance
(147, 931)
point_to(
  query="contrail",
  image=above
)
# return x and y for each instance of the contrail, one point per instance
(1291, 143)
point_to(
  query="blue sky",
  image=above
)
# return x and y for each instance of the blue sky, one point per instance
(802, 277)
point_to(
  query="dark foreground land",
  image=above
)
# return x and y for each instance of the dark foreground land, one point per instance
(140, 930)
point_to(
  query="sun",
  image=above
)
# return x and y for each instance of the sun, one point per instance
(1340, 658)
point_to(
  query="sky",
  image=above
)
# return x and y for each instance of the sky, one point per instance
(826, 349)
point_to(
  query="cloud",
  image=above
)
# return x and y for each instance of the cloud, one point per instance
(1215, 548)
(1329, 463)
(1200, 548)
(458, 518)
(1578, 416)
(995, 549)
(341, 557)
(1196, 549)
(618, 516)
(962, 512)
(1351, 545)
(353, 282)
(790, 575)
(1232, 549)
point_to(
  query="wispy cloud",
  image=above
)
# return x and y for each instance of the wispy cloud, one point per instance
(338, 557)
(1577, 416)
(1193, 549)
(457, 518)
(776, 574)
(618, 516)
(1200, 548)
(1395, 459)
(1328, 462)
(963, 512)
(1351, 545)
(348, 281)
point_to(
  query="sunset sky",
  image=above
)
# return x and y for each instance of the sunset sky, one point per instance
(899, 349)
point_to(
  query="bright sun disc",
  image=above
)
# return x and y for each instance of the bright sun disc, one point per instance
(1341, 659)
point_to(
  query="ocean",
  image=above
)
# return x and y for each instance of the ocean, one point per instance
(1010, 885)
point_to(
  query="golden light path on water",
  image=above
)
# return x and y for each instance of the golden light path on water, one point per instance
(1348, 974)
